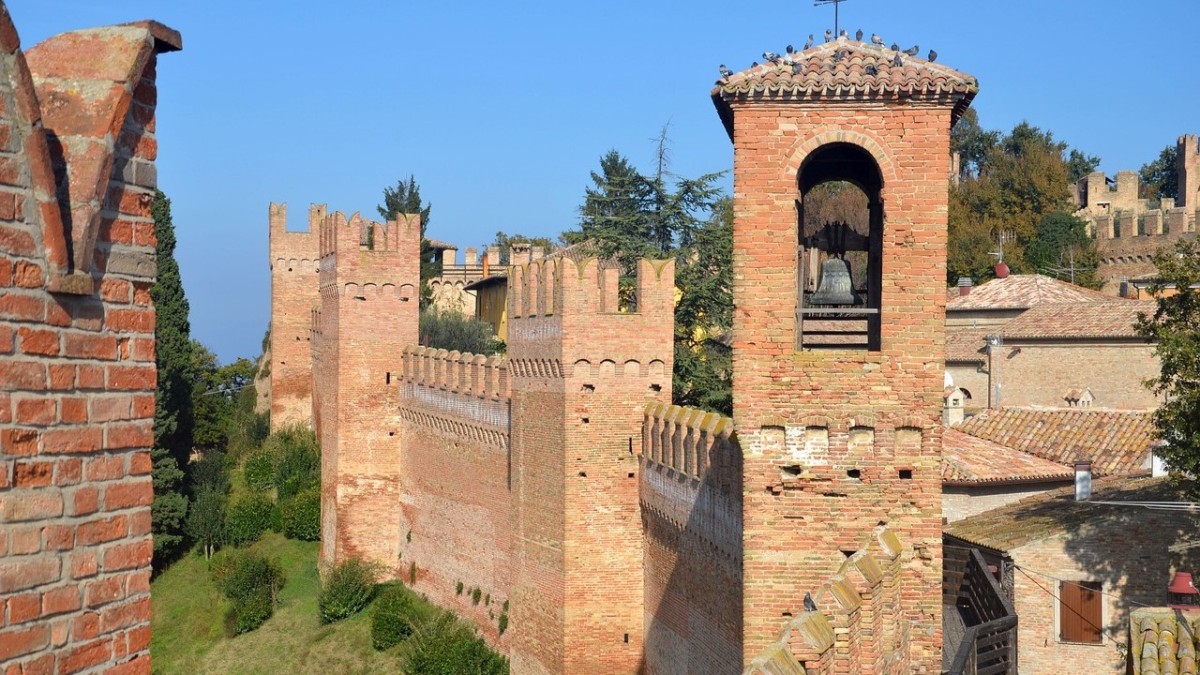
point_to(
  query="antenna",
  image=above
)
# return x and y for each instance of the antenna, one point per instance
(1001, 237)
(835, 3)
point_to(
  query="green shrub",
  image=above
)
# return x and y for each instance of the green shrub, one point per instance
(458, 588)
(346, 590)
(392, 617)
(210, 472)
(301, 515)
(475, 595)
(444, 646)
(502, 624)
(455, 332)
(260, 470)
(298, 466)
(252, 582)
(248, 518)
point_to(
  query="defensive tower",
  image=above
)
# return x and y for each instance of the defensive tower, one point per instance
(837, 397)
(294, 292)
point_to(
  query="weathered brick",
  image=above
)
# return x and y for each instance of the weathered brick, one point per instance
(24, 607)
(129, 493)
(61, 600)
(19, 574)
(33, 474)
(127, 556)
(22, 641)
(103, 591)
(85, 656)
(25, 506)
(104, 530)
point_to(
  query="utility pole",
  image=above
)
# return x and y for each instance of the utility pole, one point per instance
(835, 3)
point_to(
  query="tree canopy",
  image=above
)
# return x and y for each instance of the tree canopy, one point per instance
(406, 198)
(1175, 329)
(1160, 178)
(1014, 192)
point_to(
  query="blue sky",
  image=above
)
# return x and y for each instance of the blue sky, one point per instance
(501, 109)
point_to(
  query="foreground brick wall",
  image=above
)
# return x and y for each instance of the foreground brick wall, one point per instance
(77, 371)
(295, 290)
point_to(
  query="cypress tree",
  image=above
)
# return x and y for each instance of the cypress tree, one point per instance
(173, 422)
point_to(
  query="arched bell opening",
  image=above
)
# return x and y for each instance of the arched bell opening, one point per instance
(840, 256)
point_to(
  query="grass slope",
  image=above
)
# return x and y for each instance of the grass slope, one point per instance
(189, 612)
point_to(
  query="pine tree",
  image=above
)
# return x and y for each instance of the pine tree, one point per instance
(173, 396)
(406, 198)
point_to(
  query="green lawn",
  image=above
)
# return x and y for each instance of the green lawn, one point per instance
(188, 616)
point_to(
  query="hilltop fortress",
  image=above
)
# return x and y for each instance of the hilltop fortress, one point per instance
(605, 530)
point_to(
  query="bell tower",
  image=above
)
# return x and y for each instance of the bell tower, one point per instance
(838, 326)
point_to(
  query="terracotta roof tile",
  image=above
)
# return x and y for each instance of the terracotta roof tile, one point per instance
(968, 460)
(1022, 291)
(1113, 319)
(845, 69)
(1118, 443)
(1052, 513)
(966, 345)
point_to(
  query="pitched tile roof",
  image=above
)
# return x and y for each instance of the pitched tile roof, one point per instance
(1114, 319)
(1052, 513)
(845, 69)
(1022, 291)
(966, 345)
(1118, 443)
(969, 460)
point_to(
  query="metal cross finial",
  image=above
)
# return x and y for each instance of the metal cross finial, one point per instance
(836, 4)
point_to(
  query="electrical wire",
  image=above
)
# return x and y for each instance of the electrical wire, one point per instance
(1116, 640)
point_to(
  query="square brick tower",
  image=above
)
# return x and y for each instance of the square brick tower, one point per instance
(583, 367)
(369, 279)
(295, 290)
(837, 389)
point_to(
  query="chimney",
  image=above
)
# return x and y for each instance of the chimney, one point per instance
(1083, 480)
(472, 256)
(493, 256)
(964, 286)
(448, 256)
(952, 408)
(1001, 270)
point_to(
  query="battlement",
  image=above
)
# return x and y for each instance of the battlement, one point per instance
(337, 232)
(689, 441)
(550, 287)
(855, 627)
(293, 250)
(457, 372)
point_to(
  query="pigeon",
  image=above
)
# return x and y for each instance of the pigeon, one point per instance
(895, 47)
(725, 72)
(839, 55)
(912, 51)
(871, 70)
(809, 42)
(809, 605)
(770, 56)
(828, 34)
(754, 64)
(790, 49)
(797, 68)
(932, 56)
(876, 40)
(842, 34)
(858, 35)
(897, 62)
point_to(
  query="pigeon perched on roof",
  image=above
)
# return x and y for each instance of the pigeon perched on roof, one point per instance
(725, 72)
(828, 34)
(808, 43)
(839, 55)
(809, 605)
(871, 70)
(876, 40)
(932, 56)
(842, 34)
(754, 64)
(797, 68)
(789, 49)
(858, 35)
(770, 56)
(897, 61)
(912, 51)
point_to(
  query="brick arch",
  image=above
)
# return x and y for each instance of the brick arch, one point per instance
(803, 147)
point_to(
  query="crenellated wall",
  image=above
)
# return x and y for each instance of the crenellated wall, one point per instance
(295, 290)
(691, 501)
(857, 626)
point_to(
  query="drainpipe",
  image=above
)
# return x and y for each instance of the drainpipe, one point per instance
(994, 342)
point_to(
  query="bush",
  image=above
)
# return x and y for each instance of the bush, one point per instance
(210, 473)
(252, 582)
(346, 590)
(444, 646)
(392, 617)
(249, 517)
(455, 332)
(301, 516)
(260, 470)
(206, 520)
(298, 466)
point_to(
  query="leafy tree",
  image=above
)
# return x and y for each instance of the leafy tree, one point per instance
(972, 143)
(1175, 329)
(173, 393)
(615, 212)
(216, 395)
(454, 332)
(704, 316)
(1062, 248)
(1160, 178)
(206, 521)
(406, 198)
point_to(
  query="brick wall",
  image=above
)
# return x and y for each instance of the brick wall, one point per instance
(806, 420)
(1041, 374)
(690, 485)
(77, 370)
(295, 290)
(1127, 552)
(959, 501)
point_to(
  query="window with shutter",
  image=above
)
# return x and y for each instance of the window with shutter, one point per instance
(1079, 612)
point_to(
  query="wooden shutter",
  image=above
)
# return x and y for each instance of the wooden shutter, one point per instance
(1079, 611)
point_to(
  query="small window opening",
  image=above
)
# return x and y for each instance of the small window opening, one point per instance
(586, 420)
(905, 474)
(854, 473)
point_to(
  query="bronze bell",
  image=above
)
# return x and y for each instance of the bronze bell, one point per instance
(835, 287)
